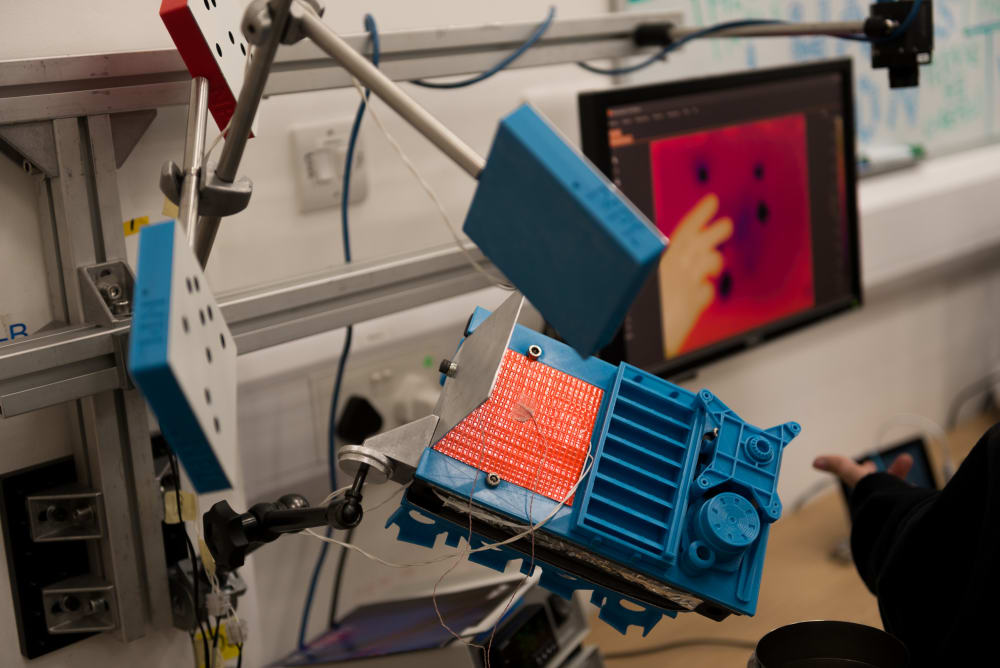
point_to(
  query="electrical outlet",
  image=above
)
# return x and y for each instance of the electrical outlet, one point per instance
(319, 152)
(207, 35)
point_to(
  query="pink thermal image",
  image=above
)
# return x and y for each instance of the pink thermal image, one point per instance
(759, 172)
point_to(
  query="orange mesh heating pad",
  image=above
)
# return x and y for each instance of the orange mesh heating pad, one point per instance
(534, 431)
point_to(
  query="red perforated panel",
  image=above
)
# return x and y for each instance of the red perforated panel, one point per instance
(534, 431)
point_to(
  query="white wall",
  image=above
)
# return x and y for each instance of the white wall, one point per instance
(923, 333)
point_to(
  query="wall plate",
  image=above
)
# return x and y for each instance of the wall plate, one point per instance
(207, 35)
(183, 357)
(319, 153)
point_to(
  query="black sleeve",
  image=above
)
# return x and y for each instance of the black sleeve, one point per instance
(933, 558)
(881, 504)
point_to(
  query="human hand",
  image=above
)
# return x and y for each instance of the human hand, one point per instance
(851, 472)
(691, 259)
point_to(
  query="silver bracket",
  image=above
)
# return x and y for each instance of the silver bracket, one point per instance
(476, 367)
(107, 293)
(82, 604)
(215, 197)
(395, 454)
(257, 20)
(391, 455)
(68, 513)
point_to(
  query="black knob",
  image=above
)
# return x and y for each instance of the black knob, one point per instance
(226, 535)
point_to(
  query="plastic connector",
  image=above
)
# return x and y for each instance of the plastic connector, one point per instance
(236, 631)
(216, 603)
(653, 34)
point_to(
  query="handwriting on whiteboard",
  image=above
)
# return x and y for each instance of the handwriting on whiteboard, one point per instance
(956, 102)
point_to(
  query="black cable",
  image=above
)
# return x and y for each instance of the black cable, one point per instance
(215, 634)
(339, 578)
(735, 643)
(239, 656)
(175, 472)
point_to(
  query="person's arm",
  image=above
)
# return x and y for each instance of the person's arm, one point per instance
(881, 505)
(930, 557)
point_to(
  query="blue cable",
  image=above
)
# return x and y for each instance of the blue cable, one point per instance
(349, 334)
(530, 42)
(899, 31)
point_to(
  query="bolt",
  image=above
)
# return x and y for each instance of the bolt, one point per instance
(96, 605)
(448, 368)
(492, 479)
(121, 307)
(69, 603)
(56, 513)
(111, 291)
(534, 351)
(83, 515)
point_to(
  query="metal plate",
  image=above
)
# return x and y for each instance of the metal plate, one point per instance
(478, 362)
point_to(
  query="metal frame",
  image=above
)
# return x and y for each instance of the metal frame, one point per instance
(80, 214)
(68, 86)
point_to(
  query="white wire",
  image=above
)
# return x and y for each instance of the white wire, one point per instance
(333, 495)
(430, 192)
(218, 138)
(926, 426)
(465, 552)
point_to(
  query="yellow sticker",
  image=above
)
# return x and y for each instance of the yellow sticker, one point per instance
(134, 225)
(207, 560)
(170, 210)
(226, 653)
(189, 507)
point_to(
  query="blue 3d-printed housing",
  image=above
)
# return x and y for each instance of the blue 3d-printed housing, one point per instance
(673, 515)
(557, 228)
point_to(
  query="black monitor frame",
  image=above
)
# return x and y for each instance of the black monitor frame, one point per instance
(593, 108)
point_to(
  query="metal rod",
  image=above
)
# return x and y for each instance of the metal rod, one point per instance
(369, 75)
(778, 30)
(242, 120)
(194, 154)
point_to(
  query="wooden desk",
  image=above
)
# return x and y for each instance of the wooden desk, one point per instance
(800, 582)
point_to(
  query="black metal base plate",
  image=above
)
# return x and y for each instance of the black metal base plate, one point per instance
(32, 565)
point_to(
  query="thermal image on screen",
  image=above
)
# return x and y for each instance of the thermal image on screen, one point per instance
(734, 202)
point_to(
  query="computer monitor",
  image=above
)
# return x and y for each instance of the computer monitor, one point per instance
(752, 177)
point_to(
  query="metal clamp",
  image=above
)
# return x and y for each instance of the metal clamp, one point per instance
(82, 604)
(257, 20)
(69, 513)
(215, 197)
(107, 292)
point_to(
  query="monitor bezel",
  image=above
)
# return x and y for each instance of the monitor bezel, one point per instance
(593, 108)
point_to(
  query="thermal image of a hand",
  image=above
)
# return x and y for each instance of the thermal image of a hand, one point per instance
(691, 259)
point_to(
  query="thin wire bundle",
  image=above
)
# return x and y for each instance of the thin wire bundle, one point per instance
(462, 552)
(370, 108)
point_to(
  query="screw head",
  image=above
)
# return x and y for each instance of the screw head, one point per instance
(492, 479)
(448, 368)
(534, 351)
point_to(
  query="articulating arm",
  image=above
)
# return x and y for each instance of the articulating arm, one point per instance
(231, 536)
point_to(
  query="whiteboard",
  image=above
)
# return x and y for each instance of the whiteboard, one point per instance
(954, 106)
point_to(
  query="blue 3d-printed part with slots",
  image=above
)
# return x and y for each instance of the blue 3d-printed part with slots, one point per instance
(679, 498)
(183, 359)
(560, 231)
